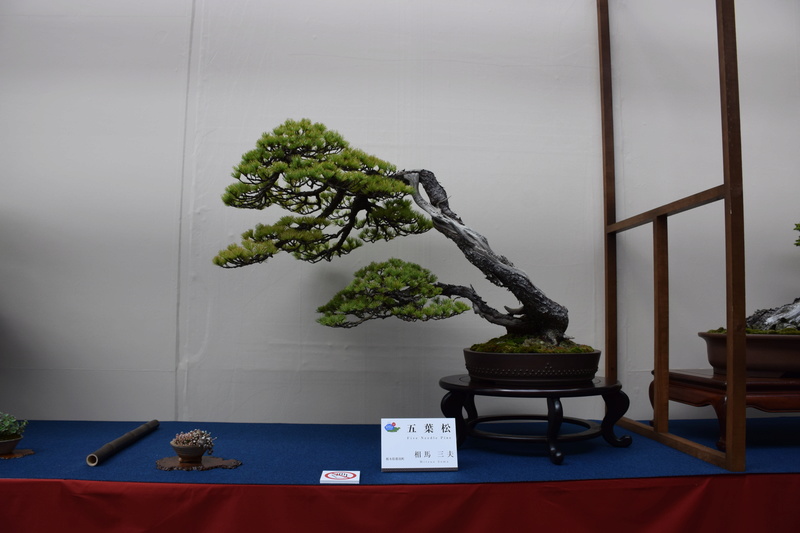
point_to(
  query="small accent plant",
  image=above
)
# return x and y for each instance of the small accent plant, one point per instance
(10, 427)
(195, 437)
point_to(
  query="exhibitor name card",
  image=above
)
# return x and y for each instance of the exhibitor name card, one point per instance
(418, 444)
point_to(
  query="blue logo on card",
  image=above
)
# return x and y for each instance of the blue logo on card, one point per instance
(391, 428)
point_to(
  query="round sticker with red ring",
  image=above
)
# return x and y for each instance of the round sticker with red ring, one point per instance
(340, 476)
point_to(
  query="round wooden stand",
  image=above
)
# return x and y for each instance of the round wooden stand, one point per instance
(462, 390)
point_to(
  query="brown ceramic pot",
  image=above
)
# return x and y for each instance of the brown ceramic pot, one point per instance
(532, 368)
(189, 455)
(8, 445)
(766, 356)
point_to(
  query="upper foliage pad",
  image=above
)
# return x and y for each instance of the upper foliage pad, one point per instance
(333, 190)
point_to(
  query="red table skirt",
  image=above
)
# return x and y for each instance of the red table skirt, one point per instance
(731, 503)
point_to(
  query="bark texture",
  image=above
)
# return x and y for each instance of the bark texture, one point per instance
(537, 315)
(783, 317)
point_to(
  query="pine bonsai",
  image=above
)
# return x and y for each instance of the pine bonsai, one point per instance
(341, 198)
(782, 320)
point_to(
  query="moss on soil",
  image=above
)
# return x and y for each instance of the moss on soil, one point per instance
(522, 344)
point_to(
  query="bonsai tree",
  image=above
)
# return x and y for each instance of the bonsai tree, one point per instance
(195, 438)
(10, 427)
(340, 198)
(784, 319)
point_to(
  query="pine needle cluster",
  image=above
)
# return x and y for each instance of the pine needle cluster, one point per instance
(340, 197)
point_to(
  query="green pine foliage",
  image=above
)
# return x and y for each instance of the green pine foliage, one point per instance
(340, 197)
(392, 288)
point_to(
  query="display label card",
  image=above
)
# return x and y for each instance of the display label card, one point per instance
(347, 477)
(418, 444)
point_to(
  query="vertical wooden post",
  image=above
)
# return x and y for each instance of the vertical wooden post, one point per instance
(734, 233)
(661, 324)
(609, 190)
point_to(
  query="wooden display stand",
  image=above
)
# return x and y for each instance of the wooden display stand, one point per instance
(461, 397)
(703, 387)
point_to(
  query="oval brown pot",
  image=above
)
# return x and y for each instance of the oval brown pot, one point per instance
(766, 356)
(8, 445)
(532, 368)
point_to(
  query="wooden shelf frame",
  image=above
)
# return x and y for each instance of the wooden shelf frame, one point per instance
(731, 193)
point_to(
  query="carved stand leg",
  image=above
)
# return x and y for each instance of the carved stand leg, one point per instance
(469, 407)
(453, 405)
(720, 408)
(617, 404)
(699, 396)
(555, 416)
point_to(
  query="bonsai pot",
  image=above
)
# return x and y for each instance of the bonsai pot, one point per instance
(7, 445)
(766, 356)
(556, 369)
(189, 455)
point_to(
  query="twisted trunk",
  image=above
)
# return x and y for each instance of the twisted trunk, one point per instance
(783, 317)
(538, 315)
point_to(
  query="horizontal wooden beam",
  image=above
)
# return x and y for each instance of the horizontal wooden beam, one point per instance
(678, 206)
(704, 453)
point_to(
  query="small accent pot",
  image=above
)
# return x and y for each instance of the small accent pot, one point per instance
(189, 455)
(8, 445)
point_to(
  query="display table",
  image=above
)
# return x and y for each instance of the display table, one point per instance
(703, 387)
(461, 397)
(54, 489)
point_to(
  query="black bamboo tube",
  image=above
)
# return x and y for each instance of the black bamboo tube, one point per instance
(118, 444)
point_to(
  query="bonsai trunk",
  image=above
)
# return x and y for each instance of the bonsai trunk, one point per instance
(538, 315)
(783, 317)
